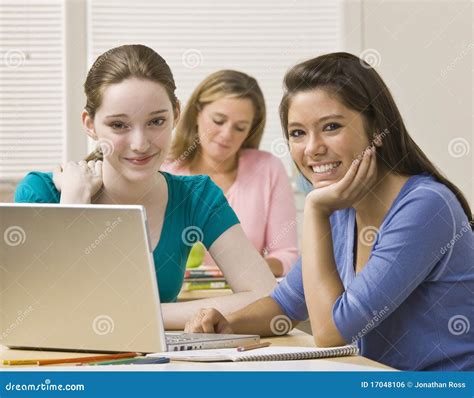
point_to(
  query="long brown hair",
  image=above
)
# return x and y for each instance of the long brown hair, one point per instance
(359, 87)
(122, 63)
(220, 84)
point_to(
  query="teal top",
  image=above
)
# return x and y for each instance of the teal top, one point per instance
(197, 210)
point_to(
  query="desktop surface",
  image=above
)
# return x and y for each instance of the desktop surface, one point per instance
(294, 338)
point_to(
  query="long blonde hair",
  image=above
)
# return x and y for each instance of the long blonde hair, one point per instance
(122, 63)
(224, 83)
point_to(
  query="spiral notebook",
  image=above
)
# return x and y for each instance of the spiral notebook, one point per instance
(261, 354)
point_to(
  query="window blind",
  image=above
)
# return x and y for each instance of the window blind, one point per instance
(261, 38)
(32, 97)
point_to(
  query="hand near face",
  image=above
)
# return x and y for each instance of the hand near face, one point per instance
(78, 181)
(355, 184)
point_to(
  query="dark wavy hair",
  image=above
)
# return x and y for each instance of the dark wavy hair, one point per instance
(360, 88)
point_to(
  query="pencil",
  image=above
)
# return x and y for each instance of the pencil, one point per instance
(42, 362)
(146, 361)
(20, 361)
(97, 358)
(253, 346)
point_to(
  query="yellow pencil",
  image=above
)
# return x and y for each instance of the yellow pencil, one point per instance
(20, 361)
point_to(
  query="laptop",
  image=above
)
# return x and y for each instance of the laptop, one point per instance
(82, 278)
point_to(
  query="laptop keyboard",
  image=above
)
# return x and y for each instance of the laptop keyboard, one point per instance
(183, 338)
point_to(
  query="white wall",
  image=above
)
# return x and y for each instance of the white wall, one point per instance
(262, 38)
(423, 50)
(424, 53)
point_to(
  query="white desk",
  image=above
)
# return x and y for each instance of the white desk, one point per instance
(295, 338)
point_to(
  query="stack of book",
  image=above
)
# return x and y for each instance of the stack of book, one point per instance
(204, 278)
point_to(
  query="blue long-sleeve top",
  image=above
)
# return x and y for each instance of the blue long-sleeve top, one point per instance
(412, 305)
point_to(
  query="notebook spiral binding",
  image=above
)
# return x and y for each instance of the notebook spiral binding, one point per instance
(335, 352)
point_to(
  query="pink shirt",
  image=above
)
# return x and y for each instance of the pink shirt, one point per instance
(262, 198)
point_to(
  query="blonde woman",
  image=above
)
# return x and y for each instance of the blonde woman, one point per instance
(218, 135)
(131, 110)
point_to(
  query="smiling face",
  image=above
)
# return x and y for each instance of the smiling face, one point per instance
(324, 136)
(223, 125)
(133, 126)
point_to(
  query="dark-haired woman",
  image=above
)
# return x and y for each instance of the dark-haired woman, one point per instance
(388, 248)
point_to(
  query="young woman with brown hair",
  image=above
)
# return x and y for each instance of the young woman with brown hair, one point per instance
(388, 247)
(131, 110)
